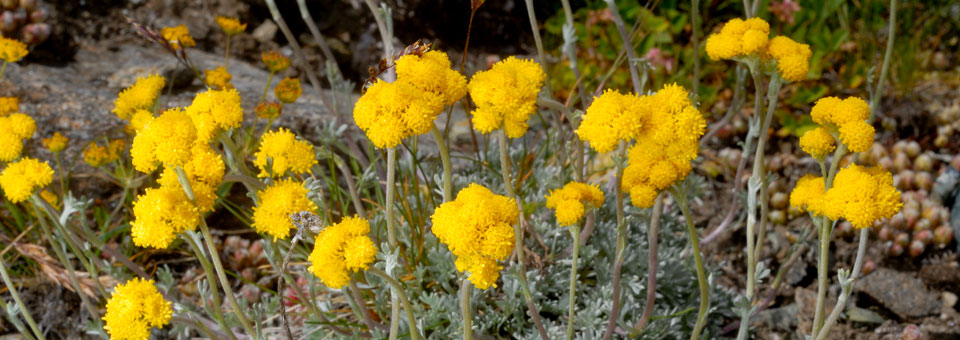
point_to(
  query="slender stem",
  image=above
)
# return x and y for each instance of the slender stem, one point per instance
(3, 69)
(891, 35)
(465, 310)
(226, 57)
(83, 255)
(575, 234)
(772, 95)
(311, 75)
(283, 272)
(821, 275)
(312, 26)
(385, 33)
(445, 158)
(398, 288)
(695, 23)
(653, 236)
(362, 306)
(351, 185)
(519, 233)
(215, 296)
(266, 88)
(681, 198)
(536, 36)
(215, 255)
(392, 237)
(627, 45)
(621, 241)
(63, 185)
(24, 332)
(846, 285)
(16, 296)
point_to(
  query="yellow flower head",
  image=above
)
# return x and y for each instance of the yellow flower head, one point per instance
(340, 249)
(477, 228)
(204, 171)
(213, 111)
(288, 90)
(167, 139)
(55, 143)
(20, 125)
(12, 51)
(431, 72)
(275, 62)
(793, 59)
(218, 78)
(269, 110)
(280, 151)
(569, 201)
(277, 202)
(390, 112)
(11, 142)
(134, 307)
(818, 142)
(862, 196)
(142, 95)
(160, 214)
(205, 194)
(611, 118)
(808, 194)
(739, 38)
(506, 95)
(138, 120)
(230, 26)
(178, 36)
(9, 105)
(50, 197)
(849, 117)
(667, 140)
(19, 180)
(96, 155)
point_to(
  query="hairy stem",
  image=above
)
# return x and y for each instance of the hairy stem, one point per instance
(16, 296)
(465, 310)
(575, 234)
(652, 264)
(445, 159)
(518, 232)
(621, 241)
(695, 23)
(681, 198)
(627, 45)
(215, 296)
(392, 237)
(891, 35)
(399, 290)
(846, 285)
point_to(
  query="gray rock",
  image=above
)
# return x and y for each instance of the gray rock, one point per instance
(901, 293)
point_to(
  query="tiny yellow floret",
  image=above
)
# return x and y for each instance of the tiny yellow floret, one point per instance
(506, 95)
(611, 118)
(288, 90)
(818, 143)
(862, 196)
(230, 26)
(280, 152)
(178, 36)
(55, 143)
(390, 112)
(808, 194)
(340, 249)
(9, 105)
(431, 72)
(569, 201)
(277, 202)
(160, 214)
(218, 78)
(792, 58)
(141, 95)
(12, 51)
(167, 140)
(739, 38)
(274, 61)
(213, 111)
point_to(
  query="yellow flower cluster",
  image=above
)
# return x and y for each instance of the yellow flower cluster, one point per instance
(55, 143)
(268, 110)
(213, 111)
(218, 78)
(390, 112)
(277, 202)
(99, 155)
(861, 195)
(160, 214)
(340, 249)
(431, 72)
(138, 120)
(14, 130)
(506, 95)
(739, 38)
(230, 26)
(204, 172)
(288, 90)
(611, 118)
(142, 95)
(12, 51)
(818, 142)
(20, 179)
(849, 119)
(178, 36)
(793, 58)
(280, 151)
(167, 139)
(569, 201)
(9, 105)
(667, 140)
(477, 228)
(274, 61)
(808, 194)
(134, 307)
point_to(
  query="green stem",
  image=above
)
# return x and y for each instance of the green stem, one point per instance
(518, 233)
(215, 296)
(891, 35)
(621, 241)
(16, 296)
(695, 22)
(392, 237)
(399, 290)
(215, 255)
(84, 256)
(63, 185)
(772, 94)
(681, 198)
(15, 321)
(465, 310)
(266, 87)
(226, 58)
(445, 158)
(3, 69)
(627, 46)
(571, 312)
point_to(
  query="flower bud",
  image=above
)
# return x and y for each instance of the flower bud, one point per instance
(34, 34)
